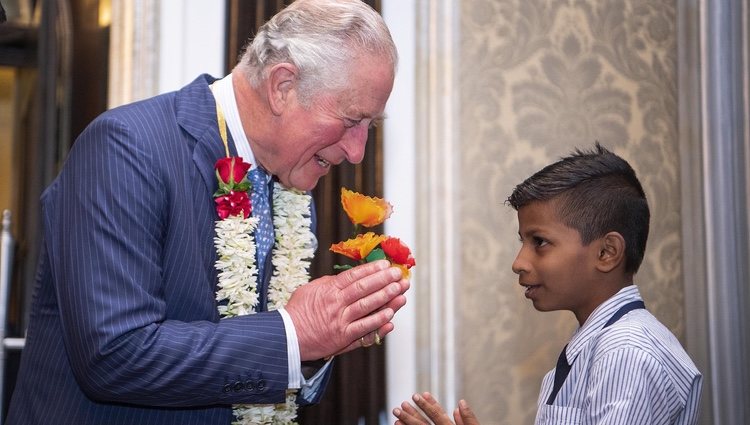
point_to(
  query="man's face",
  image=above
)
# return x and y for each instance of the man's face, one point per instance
(557, 270)
(332, 129)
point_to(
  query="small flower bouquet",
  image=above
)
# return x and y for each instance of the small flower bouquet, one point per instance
(367, 211)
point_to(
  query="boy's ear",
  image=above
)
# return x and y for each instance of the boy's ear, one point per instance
(611, 252)
(281, 83)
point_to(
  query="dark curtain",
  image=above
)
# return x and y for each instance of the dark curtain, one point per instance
(356, 393)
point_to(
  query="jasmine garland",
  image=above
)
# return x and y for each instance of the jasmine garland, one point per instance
(237, 288)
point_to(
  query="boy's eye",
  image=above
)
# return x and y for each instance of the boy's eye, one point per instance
(539, 242)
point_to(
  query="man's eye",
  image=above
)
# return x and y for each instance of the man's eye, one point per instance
(350, 123)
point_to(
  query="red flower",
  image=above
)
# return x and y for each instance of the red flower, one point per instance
(231, 196)
(399, 255)
(231, 170)
(398, 252)
(234, 203)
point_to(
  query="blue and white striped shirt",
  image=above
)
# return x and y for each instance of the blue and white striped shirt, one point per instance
(633, 372)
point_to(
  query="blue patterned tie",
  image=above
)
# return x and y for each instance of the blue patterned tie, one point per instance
(262, 209)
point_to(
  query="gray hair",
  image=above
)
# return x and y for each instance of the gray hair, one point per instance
(321, 38)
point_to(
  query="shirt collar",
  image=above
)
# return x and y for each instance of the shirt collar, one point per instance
(599, 318)
(223, 90)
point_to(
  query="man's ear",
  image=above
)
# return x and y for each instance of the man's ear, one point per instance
(611, 252)
(281, 86)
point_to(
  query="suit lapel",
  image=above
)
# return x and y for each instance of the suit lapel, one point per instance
(195, 111)
(196, 114)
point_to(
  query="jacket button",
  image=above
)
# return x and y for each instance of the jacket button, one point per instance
(249, 385)
(227, 388)
(261, 385)
(237, 387)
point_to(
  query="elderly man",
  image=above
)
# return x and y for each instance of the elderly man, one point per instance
(134, 321)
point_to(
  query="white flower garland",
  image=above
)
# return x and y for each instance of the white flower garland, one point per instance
(291, 258)
(294, 247)
(236, 264)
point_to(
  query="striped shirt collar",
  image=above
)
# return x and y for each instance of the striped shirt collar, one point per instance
(599, 318)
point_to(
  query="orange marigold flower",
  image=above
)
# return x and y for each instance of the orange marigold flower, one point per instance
(359, 247)
(365, 210)
(398, 252)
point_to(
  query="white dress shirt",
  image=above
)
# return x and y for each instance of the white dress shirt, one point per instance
(632, 372)
(223, 90)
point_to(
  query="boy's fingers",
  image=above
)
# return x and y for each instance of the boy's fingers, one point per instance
(465, 414)
(432, 408)
(408, 415)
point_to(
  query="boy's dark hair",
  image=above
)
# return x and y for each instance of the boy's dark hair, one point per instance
(596, 192)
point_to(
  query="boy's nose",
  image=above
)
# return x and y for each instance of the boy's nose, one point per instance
(519, 265)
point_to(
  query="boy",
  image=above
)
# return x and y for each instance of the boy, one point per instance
(583, 223)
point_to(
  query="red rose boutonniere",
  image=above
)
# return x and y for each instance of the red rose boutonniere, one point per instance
(367, 211)
(232, 195)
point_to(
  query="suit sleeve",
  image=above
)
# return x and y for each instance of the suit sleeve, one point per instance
(109, 216)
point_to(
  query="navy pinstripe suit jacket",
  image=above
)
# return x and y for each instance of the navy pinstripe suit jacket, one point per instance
(124, 327)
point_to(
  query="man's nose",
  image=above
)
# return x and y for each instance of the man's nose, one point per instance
(353, 143)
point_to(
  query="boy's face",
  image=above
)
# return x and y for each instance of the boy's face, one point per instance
(556, 269)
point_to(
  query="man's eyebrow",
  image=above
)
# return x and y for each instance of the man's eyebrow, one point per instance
(377, 117)
(362, 115)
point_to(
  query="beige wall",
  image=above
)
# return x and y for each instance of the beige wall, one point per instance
(538, 78)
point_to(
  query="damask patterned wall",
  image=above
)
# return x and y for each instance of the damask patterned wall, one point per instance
(538, 78)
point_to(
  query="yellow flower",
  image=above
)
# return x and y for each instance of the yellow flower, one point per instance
(365, 210)
(359, 247)
(405, 273)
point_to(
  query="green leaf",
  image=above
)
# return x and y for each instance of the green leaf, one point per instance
(342, 267)
(221, 190)
(376, 254)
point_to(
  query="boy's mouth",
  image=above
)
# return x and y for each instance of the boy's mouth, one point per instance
(530, 289)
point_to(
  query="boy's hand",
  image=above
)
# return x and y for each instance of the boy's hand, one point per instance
(408, 415)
